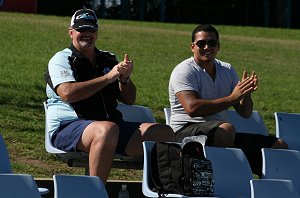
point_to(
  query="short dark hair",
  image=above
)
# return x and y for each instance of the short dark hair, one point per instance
(205, 28)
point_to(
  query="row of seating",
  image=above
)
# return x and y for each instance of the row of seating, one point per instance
(65, 186)
(287, 125)
(144, 114)
(233, 176)
(254, 125)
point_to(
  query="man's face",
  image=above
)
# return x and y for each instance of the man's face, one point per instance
(205, 46)
(83, 39)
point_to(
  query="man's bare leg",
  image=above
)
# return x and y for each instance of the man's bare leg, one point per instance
(224, 136)
(100, 140)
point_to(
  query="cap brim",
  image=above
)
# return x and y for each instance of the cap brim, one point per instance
(84, 25)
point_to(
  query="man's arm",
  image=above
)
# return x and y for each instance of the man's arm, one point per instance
(76, 91)
(128, 92)
(195, 106)
(245, 107)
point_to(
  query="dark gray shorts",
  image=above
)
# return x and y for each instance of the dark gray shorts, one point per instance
(68, 134)
(250, 143)
(207, 128)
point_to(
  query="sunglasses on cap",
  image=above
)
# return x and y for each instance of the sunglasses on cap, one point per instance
(91, 30)
(210, 42)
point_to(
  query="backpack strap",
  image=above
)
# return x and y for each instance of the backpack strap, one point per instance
(155, 181)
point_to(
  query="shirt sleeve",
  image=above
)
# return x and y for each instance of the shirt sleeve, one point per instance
(235, 79)
(183, 79)
(59, 69)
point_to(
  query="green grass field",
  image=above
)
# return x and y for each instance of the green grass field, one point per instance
(29, 41)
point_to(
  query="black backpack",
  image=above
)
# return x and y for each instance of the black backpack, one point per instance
(180, 170)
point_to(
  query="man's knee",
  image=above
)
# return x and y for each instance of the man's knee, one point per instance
(224, 135)
(280, 144)
(106, 133)
(158, 132)
(165, 133)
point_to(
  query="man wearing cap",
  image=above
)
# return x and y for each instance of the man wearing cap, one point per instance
(84, 85)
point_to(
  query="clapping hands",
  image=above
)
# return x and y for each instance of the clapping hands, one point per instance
(253, 78)
(245, 87)
(125, 68)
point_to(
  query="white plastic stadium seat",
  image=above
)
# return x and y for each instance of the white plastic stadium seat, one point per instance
(17, 186)
(71, 158)
(288, 128)
(231, 170)
(254, 124)
(80, 159)
(281, 164)
(146, 185)
(5, 165)
(136, 113)
(273, 188)
(167, 112)
(78, 186)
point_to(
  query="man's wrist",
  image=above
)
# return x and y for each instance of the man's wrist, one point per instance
(126, 81)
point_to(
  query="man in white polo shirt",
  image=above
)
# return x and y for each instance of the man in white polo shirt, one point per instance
(202, 88)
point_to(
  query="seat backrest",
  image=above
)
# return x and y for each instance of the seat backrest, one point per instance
(167, 112)
(281, 164)
(272, 188)
(254, 124)
(18, 185)
(78, 186)
(231, 170)
(136, 113)
(5, 165)
(288, 128)
(48, 145)
(77, 159)
(146, 183)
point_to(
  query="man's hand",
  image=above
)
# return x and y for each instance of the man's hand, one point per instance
(122, 70)
(125, 68)
(254, 79)
(244, 87)
(245, 105)
(113, 74)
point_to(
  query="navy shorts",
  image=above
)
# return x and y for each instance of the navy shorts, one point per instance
(68, 134)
